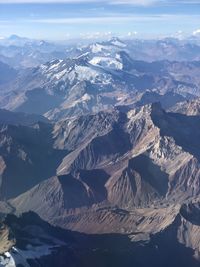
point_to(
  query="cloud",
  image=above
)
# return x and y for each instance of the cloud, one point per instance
(116, 19)
(109, 2)
(125, 2)
(135, 2)
(96, 20)
(196, 32)
(131, 34)
(96, 35)
(81, 20)
(44, 1)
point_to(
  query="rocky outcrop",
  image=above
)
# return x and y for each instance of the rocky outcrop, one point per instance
(190, 107)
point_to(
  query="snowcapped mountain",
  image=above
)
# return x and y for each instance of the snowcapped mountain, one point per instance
(93, 170)
(15, 40)
(23, 52)
(92, 82)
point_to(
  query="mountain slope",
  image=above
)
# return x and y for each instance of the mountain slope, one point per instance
(190, 108)
(38, 243)
(14, 118)
(90, 83)
(25, 154)
(115, 167)
(7, 74)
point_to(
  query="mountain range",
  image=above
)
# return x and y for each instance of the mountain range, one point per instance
(85, 84)
(99, 155)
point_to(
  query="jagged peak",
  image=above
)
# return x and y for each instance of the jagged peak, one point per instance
(153, 108)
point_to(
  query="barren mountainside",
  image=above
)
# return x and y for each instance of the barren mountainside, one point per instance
(120, 172)
(99, 153)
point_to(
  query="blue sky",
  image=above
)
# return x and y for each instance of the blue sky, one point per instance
(48, 19)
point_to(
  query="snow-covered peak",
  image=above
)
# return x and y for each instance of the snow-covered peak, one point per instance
(108, 62)
(117, 42)
(96, 48)
(78, 69)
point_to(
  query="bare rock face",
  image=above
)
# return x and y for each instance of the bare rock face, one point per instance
(120, 172)
(38, 242)
(134, 173)
(146, 153)
(174, 243)
(141, 186)
(190, 108)
(115, 141)
(71, 133)
(114, 178)
(61, 193)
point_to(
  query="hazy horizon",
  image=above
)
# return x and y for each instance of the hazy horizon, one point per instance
(87, 19)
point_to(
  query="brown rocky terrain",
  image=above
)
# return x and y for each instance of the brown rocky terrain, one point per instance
(121, 170)
(133, 173)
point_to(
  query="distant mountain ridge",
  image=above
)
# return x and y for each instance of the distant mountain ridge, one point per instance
(7, 73)
(85, 84)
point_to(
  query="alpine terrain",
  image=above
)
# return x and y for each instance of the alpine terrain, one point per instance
(100, 153)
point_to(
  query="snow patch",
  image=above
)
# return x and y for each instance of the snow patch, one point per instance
(60, 74)
(107, 62)
(56, 65)
(96, 48)
(118, 43)
(85, 73)
(83, 99)
(13, 259)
